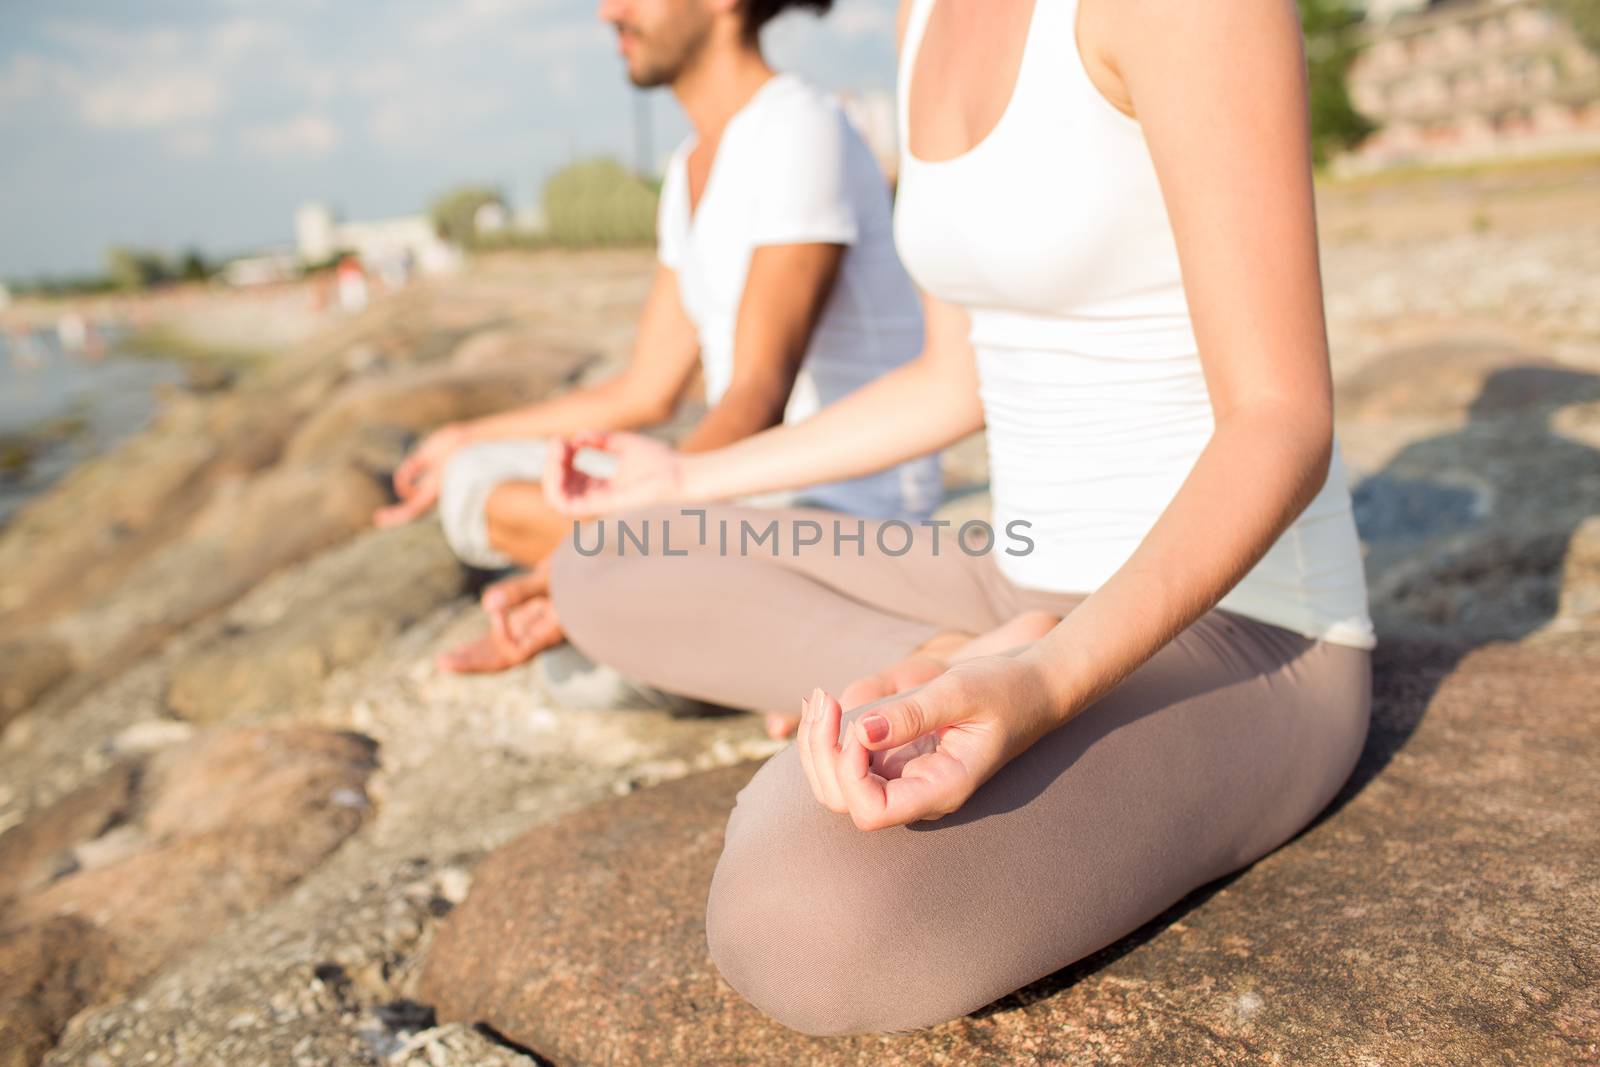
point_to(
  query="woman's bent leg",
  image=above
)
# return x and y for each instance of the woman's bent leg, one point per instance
(759, 628)
(1216, 751)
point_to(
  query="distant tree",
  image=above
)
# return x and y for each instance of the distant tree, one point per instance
(455, 213)
(599, 202)
(1332, 30)
(193, 266)
(1585, 18)
(134, 269)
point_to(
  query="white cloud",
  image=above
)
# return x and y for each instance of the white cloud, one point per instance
(411, 122)
(564, 80)
(25, 78)
(146, 99)
(381, 78)
(306, 136)
(151, 77)
(855, 22)
(238, 37)
(467, 17)
(192, 143)
(563, 38)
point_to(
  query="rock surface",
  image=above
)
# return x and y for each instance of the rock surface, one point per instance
(200, 834)
(326, 970)
(1411, 925)
(373, 591)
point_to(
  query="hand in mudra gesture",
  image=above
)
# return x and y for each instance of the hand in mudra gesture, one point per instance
(637, 471)
(921, 753)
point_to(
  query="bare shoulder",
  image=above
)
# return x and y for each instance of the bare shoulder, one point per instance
(901, 17)
(1125, 43)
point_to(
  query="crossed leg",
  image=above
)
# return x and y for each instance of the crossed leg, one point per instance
(1214, 752)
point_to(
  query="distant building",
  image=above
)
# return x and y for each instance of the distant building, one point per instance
(491, 218)
(268, 268)
(1461, 80)
(379, 244)
(529, 220)
(1382, 10)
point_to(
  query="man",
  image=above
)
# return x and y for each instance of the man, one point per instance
(777, 274)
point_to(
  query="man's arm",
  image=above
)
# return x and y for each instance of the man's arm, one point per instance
(664, 356)
(785, 290)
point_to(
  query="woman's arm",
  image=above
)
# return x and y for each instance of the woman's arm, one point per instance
(1221, 93)
(914, 409)
(663, 361)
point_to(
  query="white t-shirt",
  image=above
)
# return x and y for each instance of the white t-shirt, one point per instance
(791, 169)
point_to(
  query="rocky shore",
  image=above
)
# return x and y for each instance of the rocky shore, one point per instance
(246, 821)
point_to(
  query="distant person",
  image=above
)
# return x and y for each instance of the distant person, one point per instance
(352, 284)
(777, 276)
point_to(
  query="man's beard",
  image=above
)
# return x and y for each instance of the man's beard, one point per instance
(671, 59)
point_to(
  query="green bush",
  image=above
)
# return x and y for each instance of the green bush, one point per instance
(455, 214)
(135, 269)
(599, 202)
(1332, 31)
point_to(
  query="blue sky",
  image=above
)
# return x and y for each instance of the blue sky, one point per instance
(170, 123)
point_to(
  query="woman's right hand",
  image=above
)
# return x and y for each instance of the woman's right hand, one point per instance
(644, 471)
(417, 479)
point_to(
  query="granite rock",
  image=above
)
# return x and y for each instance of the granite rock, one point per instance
(366, 593)
(216, 826)
(1415, 923)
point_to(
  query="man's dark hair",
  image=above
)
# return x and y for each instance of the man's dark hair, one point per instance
(757, 13)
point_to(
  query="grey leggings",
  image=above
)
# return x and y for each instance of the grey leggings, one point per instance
(1216, 751)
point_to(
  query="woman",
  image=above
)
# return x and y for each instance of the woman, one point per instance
(1112, 219)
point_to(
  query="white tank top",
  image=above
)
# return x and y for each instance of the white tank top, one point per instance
(1052, 233)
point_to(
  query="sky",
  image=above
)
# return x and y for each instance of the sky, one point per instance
(171, 124)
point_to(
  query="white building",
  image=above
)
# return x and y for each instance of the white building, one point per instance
(268, 268)
(378, 243)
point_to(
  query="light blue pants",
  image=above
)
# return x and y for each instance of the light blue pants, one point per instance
(470, 476)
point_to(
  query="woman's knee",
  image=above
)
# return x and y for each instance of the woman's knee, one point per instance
(798, 925)
(582, 588)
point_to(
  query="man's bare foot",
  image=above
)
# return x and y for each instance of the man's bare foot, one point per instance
(515, 636)
(517, 589)
(780, 725)
(482, 656)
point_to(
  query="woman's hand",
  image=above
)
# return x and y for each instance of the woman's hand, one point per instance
(416, 480)
(922, 753)
(645, 472)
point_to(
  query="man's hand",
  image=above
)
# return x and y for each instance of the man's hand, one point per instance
(416, 480)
